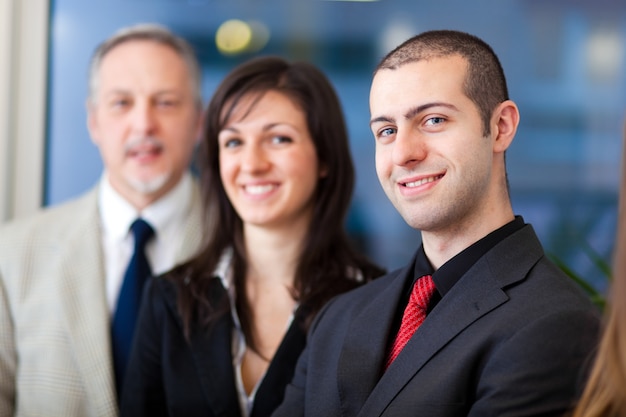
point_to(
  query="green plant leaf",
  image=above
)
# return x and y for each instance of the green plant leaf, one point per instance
(595, 296)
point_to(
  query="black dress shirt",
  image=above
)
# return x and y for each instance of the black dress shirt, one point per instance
(451, 271)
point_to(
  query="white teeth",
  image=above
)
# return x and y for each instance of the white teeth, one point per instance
(422, 181)
(259, 189)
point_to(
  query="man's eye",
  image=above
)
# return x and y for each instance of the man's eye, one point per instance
(167, 103)
(435, 121)
(386, 132)
(120, 103)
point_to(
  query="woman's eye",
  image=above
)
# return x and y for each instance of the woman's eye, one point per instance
(232, 143)
(281, 139)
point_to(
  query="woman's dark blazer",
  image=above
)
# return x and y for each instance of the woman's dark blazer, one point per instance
(169, 376)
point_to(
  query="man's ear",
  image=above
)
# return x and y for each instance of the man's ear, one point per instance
(504, 122)
(92, 122)
(199, 130)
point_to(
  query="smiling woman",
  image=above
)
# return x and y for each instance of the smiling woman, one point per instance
(277, 178)
(268, 163)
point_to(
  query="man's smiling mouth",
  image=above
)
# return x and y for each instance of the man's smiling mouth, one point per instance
(422, 181)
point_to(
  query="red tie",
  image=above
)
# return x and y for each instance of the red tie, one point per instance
(414, 314)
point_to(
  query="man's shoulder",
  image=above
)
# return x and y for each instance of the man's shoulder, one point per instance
(363, 294)
(558, 291)
(50, 221)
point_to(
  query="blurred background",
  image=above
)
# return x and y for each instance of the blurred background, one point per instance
(565, 62)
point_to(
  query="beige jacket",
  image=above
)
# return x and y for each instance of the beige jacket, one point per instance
(55, 356)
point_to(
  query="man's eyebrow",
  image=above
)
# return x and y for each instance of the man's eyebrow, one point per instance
(166, 91)
(413, 112)
(385, 119)
(417, 110)
(117, 91)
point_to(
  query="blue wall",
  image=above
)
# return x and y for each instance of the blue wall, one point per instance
(565, 62)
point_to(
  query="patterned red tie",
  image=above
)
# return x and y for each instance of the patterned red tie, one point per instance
(414, 314)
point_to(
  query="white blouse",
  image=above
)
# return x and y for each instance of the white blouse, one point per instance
(224, 271)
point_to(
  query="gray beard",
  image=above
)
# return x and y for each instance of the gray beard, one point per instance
(150, 186)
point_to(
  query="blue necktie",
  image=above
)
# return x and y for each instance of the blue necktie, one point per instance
(128, 302)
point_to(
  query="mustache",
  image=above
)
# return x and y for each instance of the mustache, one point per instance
(142, 141)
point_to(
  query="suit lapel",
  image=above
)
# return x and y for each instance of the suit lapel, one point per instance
(477, 293)
(462, 306)
(361, 361)
(192, 228)
(83, 303)
(271, 391)
(212, 354)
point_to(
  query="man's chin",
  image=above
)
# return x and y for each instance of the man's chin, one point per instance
(149, 186)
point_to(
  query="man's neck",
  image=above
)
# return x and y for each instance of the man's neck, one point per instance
(441, 246)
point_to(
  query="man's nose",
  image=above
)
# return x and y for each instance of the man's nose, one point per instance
(143, 119)
(409, 148)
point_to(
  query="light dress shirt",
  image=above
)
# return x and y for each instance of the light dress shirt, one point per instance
(166, 216)
(238, 346)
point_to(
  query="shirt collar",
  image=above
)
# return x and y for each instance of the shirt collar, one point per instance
(118, 214)
(451, 271)
(224, 270)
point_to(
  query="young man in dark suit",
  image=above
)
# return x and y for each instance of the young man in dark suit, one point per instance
(503, 331)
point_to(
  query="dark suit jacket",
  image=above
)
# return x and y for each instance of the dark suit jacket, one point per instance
(167, 376)
(511, 338)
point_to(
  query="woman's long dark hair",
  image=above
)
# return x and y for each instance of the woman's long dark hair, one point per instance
(327, 259)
